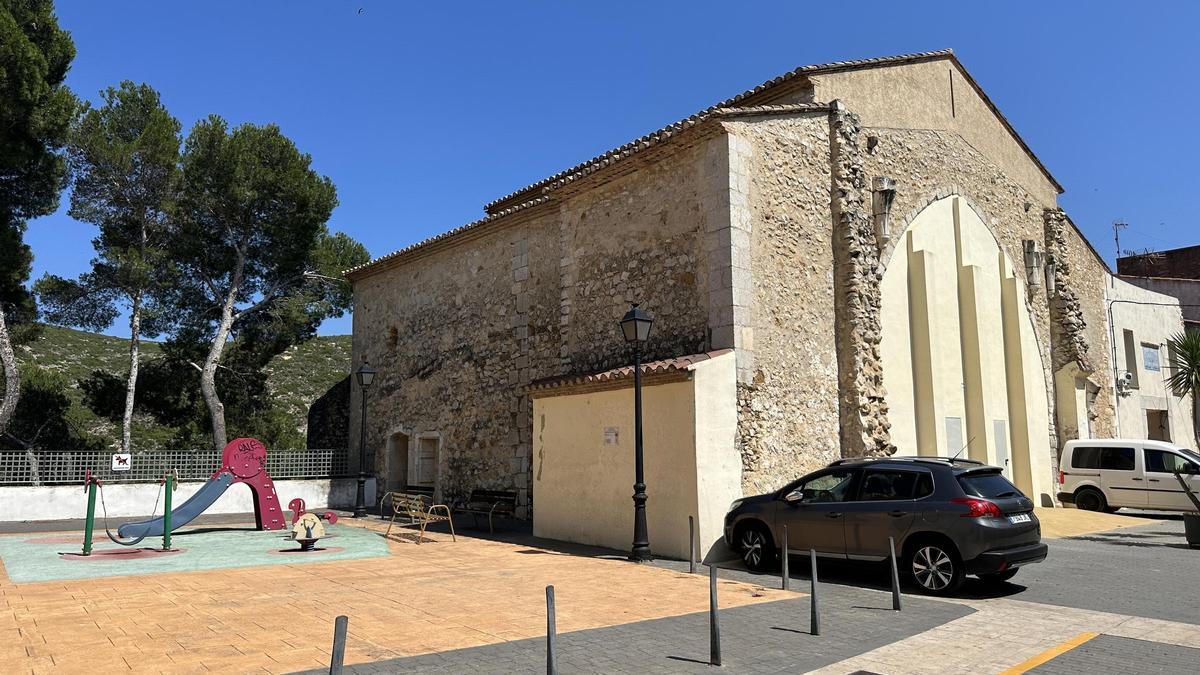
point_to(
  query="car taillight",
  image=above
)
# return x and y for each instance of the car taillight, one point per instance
(1062, 477)
(979, 508)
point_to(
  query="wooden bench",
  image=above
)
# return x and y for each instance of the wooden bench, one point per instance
(490, 503)
(416, 508)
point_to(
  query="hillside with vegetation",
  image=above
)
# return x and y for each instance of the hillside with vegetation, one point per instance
(295, 379)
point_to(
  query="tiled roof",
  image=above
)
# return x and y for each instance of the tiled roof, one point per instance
(608, 158)
(652, 137)
(446, 235)
(676, 364)
(536, 193)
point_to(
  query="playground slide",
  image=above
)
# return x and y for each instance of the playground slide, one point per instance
(184, 514)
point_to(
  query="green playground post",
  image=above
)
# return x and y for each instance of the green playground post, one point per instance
(167, 512)
(91, 516)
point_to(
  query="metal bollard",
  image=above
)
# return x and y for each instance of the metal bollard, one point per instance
(714, 634)
(168, 485)
(91, 514)
(895, 575)
(551, 654)
(339, 645)
(814, 621)
(787, 577)
(691, 545)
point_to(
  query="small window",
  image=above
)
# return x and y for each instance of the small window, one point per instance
(988, 486)
(1085, 458)
(1117, 459)
(1161, 461)
(1150, 357)
(888, 485)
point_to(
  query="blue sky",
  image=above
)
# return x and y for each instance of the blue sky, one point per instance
(423, 112)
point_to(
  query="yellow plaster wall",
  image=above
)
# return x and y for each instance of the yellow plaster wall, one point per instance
(583, 486)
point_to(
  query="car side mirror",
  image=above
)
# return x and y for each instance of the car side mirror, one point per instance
(794, 497)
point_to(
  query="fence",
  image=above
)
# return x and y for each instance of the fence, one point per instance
(68, 468)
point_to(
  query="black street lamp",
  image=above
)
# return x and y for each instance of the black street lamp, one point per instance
(365, 374)
(636, 327)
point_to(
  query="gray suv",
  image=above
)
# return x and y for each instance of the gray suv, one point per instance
(949, 518)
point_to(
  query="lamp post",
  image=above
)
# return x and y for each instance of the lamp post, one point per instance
(636, 327)
(365, 374)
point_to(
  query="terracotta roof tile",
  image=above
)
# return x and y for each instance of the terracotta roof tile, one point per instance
(567, 175)
(676, 364)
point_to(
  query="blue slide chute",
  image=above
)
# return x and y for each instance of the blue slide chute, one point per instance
(186, 513)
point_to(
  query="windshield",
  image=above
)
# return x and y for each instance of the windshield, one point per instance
(988, 486)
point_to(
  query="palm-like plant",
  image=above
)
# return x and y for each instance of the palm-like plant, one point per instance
(1185, 366)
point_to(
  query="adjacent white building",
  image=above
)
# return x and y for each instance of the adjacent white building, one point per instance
(1142, 323)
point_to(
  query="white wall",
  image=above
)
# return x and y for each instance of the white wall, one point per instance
(583, 482)
(63, 502)
(1153, 318)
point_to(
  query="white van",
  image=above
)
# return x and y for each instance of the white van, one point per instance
(1109, 474)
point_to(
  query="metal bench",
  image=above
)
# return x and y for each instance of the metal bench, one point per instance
(418, 511)
(489, 503)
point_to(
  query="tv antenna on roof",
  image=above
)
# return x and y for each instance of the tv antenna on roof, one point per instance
(1118, 225)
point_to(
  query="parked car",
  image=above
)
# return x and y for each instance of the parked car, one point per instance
(949, 518)
(1109, 474)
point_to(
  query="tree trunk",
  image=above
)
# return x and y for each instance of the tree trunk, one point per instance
(208, 374)
(135, 326)
(12, 381)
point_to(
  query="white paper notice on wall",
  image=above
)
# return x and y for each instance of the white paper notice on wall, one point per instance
(611, 436)
(122, 461)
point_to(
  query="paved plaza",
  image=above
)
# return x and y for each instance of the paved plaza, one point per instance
(477, 605)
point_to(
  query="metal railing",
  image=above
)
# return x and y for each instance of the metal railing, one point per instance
(69, 468)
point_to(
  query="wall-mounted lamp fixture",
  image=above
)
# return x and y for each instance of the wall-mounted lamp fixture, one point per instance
(883, 193)
(1035, 262)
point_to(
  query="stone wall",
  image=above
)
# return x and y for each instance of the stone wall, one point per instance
(329, 418)
(1088, 281)
(865, 430)
(788, 410)
(535, 294)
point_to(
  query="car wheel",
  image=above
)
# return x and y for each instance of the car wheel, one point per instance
(935, 568)
(999, 577)
(755, 546)
(1090, 499)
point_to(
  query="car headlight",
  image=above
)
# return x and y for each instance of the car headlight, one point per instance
(736, 503)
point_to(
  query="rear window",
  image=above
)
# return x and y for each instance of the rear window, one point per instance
(1116, 459)
(988, 486)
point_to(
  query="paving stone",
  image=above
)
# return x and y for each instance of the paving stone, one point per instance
(1108, 654)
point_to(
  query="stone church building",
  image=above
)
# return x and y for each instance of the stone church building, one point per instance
(855, 258)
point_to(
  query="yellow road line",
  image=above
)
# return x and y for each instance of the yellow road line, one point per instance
(1049, 654)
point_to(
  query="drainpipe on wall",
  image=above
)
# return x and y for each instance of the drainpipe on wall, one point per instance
(1112, 346)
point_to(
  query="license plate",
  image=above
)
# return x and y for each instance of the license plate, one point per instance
(1019, 518)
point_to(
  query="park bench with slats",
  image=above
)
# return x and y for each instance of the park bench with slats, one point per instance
(490, 503)
(418, 511)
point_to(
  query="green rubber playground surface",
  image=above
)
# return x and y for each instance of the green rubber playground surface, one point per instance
(36, 557)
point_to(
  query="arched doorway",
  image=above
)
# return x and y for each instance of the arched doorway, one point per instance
(961, 363)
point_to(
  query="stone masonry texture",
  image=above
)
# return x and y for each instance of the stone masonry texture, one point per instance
(748, 229)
